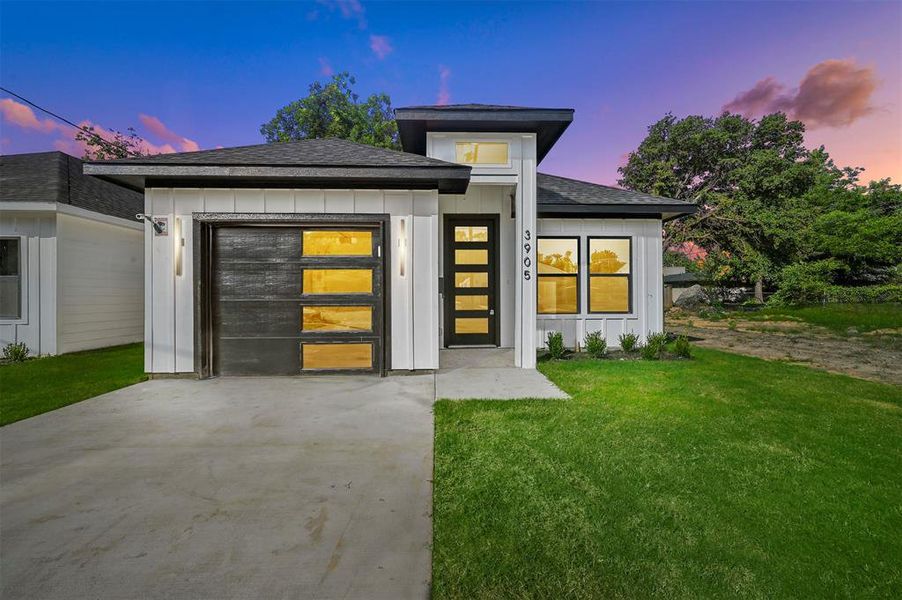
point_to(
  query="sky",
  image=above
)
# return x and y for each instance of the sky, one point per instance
(198, 75)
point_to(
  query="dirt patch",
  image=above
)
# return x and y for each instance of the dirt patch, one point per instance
(876, 357)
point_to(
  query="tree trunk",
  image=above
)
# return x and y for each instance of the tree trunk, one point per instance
(759, 289)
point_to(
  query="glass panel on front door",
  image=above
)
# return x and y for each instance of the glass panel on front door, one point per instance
(470, 281)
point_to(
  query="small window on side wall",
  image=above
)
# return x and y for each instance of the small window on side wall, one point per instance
(557, 261)
(482, 153)
(10, 278)
(610, 275)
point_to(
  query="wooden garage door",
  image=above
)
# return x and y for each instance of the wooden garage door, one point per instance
(293, 300)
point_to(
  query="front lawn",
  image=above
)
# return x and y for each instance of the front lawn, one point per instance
(725, 476)
(836, 317)
(44, 384)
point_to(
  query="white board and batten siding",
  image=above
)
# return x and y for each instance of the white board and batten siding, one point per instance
(648, 288)
(36, 327)
(169, 298)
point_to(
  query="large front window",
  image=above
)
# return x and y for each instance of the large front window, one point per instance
(10, 278)
(558, 275)
(610, 275)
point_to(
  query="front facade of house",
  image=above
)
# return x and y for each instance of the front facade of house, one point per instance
(71, 257)
(329, 256)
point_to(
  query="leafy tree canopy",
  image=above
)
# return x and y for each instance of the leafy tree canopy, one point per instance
(120, 145)
(334, 109)
(764, 200)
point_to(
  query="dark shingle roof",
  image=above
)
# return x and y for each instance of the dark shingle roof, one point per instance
(57, 177)
(331, 152)
(485, 107)
(327, 162)
(562, 194)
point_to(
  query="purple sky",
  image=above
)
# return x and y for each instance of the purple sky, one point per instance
(201, 75)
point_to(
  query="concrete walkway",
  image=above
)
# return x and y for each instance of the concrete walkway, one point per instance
(226, 488)
(489, 373)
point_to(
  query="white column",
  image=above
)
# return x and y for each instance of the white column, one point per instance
(525, 354)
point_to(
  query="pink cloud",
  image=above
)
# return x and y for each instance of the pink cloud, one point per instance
(833, 93)
(381, 46)
(70, 145)
(157, 128)
(444, 94)
(22, 116)
(349, 9)
(325, 67)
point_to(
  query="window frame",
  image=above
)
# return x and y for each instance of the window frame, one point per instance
(23, 281)
(589, 275)
(577, 275)
(478, 165)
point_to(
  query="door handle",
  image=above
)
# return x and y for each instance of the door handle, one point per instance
(491, 312)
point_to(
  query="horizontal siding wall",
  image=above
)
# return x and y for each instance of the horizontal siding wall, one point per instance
(169, 343)
(648, 307)
(37, 326)
(101, 284)
(494, 200)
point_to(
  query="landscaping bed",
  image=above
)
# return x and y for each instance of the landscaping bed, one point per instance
(721, 476)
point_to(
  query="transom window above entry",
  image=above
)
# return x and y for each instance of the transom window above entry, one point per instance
(482, 153)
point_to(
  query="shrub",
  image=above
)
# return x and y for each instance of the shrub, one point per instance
(595, 344)
(682, 348)
(654, 346)
(805, 283)
(15, 352)
(628, 341)
(555, 344)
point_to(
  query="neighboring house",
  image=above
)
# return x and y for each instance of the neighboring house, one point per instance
(676, 282)
(71, 257)
(326, 255)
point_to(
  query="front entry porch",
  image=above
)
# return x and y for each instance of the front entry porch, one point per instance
(489, 373)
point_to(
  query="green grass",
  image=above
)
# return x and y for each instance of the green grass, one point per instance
(838, 317)
(44, 384)
(725, 476)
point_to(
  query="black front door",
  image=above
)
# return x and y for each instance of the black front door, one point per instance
(471, 280)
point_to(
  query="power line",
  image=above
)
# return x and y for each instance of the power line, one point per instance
(87, 131)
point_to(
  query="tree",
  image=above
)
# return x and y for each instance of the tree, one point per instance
(121, 146)
(764, 200)
(334, 110)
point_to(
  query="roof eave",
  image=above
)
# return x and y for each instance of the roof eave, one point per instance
(665, 212)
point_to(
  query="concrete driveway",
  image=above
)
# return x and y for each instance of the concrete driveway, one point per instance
(227, 488)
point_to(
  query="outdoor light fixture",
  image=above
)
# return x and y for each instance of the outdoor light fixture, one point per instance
(402, 247)
(179, 244)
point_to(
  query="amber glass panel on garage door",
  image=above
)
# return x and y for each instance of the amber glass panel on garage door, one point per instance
(471, 271)
(297, 299)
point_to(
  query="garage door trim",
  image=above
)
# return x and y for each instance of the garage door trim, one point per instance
(203, 225)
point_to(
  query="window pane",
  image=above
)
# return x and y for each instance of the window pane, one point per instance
(557, 295)
(471, 280)
(471, 303)
(609, 256)
(337, 356)
(471, 234)
(320, 242)
(338, 318)
(10, 297)
(609, 294)
(558, 255)
(482, 153)
(471, 257)
(338, 281)
(471, 325)
(9, 257)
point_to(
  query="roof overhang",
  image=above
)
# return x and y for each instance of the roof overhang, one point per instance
(547, 123)
(665, 212)
(452, 179)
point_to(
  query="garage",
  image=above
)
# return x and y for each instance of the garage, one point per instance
(295, 298)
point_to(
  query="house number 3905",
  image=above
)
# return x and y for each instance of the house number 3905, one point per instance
(527, 261)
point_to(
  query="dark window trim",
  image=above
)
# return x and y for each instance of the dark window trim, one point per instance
(629, 276)
(577, 275)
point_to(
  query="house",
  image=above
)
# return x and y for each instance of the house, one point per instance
(326, 255)
(71, 257)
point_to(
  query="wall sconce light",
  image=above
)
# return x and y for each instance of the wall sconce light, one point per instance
(179, 245)
(402, 248)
